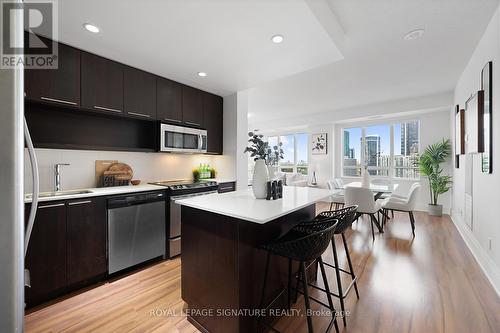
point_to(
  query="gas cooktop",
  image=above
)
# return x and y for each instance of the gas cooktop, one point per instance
(185, 184)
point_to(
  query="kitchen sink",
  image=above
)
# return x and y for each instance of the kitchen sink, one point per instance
(58, 193)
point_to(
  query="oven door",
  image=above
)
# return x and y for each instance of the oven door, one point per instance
(174, 236)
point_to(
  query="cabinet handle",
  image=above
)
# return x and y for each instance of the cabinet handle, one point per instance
(191, 123)
(139, 114)
(57, 100)
(79, 203)
(107, 109)
(51, 206)
(173, 120)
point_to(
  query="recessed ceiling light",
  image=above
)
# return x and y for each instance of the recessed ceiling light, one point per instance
(202, 74)
(414, 34)
(277, 39)
(91, 28)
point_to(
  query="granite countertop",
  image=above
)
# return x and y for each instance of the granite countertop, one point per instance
(243, 205)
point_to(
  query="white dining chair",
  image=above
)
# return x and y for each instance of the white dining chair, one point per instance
(406, 195)
(337, 198)
(338, 183)
(363, 198)
(401, 196)
(403, 205)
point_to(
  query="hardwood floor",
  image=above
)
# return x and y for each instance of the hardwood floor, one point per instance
(427, 284)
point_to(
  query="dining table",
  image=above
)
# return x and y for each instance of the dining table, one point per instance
(377, 189)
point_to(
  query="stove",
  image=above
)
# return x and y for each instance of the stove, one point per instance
(176, 190)
(187, 186)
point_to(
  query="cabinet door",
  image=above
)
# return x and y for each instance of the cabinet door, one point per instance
(139, 93)
(227, 187)
(86, 228)
(59, 86)
(192, 106)
(212, 115)
(102, 84)
(46, 257)
(168, 101)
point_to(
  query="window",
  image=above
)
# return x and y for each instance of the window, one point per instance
(352, 152)
(377, 151)
(295, 152)
(386, 150)
(406, 150)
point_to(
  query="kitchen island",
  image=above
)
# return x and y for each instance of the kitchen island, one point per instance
(222, 265)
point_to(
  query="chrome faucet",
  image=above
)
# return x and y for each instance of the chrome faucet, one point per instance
(57, 176)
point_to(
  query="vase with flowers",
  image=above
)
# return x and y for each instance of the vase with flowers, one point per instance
(263, 155)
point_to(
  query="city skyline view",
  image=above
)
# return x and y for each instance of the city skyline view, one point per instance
(377, 149)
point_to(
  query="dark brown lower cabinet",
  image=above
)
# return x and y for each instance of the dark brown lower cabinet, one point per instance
(46, 257)
(227, 187)
(86, 240)
(67, 249)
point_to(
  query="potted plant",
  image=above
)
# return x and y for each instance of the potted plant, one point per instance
(430, 166)
(262, 154)
(274, 154)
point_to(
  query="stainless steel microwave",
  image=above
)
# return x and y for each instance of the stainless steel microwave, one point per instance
(180, 139)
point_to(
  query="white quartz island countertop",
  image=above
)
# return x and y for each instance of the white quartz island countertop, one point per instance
(243, 205)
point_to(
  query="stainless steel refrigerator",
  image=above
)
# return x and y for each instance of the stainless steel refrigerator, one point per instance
(11, 192)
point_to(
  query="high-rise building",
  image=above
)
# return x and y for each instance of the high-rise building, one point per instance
(372, 150)
(409, 138)
(346, 144)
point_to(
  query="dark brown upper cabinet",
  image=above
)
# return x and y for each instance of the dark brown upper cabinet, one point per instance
(168, 101)
(139, 93)
(86, 239)
(102, 84)
(58, 86)
(212, 115)
(46, 256)
(192, 106)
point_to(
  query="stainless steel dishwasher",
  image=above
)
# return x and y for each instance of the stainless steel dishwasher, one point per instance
(136, 229)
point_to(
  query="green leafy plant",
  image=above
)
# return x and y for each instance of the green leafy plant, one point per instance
(196, 175)
(430, 166)
(260, 149)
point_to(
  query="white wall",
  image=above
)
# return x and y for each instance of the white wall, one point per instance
(147, 166)
(235, 137)
(434, 126)
(486, 187)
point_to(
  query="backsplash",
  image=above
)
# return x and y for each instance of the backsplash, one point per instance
(147, 166)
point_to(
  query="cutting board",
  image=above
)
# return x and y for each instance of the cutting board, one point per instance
(121, 171)
(100, 167)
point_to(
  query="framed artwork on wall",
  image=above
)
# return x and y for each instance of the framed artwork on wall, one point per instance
(319, 144)
(487, 88)
(459, 131)
(474, 123)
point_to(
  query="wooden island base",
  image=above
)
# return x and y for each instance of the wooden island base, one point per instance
(223, 269)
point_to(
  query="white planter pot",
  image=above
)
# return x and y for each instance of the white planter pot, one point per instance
(435, 210)
(260, 179)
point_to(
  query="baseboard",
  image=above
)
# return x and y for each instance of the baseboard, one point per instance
(490, 269)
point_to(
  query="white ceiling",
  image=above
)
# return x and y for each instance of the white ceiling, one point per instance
(228, 39)
(337, 54)
(379, 65)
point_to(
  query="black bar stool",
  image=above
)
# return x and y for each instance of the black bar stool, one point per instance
(346, 217)
(303, 247)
